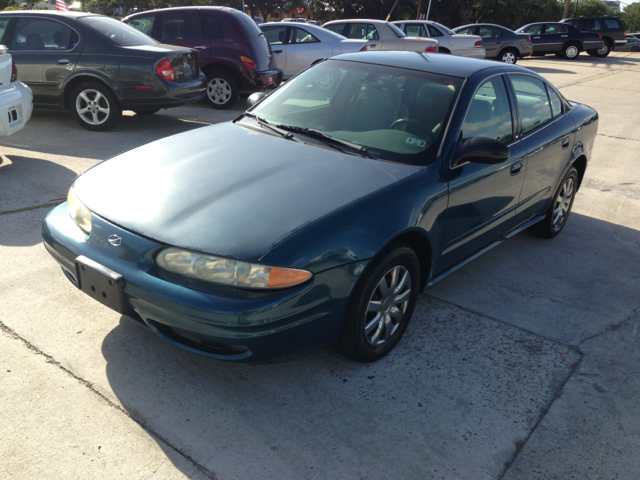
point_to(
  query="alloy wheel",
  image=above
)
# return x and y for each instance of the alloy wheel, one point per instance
(387, 306)
(325, 81)
(93, 107)
(563, 203)
(604, 50)
(509, 57)
(219, 91)
(571, 52)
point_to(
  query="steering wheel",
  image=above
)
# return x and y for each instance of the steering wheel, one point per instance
(411, 121)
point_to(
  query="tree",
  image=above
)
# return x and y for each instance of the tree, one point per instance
(592, 8)
(631, 18)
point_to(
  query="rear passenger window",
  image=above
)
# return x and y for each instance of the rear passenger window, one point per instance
(555, 29)
(533, 102)
(181, 26)
(214, 27)
(3, 26)
(144, 24)
(302, 36)
(556, 103)
(434, 31)
(612, 24)
(486, 32)
(339, 28)
(489, 114)
(43, 35)
(415, 30)
(363, 31)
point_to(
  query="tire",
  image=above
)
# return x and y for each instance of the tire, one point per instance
(146, 112)
(635, 49)
(563, 199)
(94, 106)
(510, 56)
(592, 52)
(604, 51)
(571, 51)
(368, 335)
(222, 90)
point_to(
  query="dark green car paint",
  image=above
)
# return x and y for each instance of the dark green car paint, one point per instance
(326, 221)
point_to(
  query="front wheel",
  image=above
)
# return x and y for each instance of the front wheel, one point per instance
(509, 56)
(559, 209)
(222, 90)
(381, 305)
(95, 107)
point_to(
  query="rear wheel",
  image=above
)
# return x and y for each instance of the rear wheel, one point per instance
(509, 56)
(381, 305)
(94, 106)
(559, 209)
(222, 90)
(571, 51)
(604, 51)
(635, 49)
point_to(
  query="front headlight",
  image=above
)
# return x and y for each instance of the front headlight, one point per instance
(227, 271)
(79, 212)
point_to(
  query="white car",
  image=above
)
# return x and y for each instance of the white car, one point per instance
(381, 35)
(300, 45)
(16, 99)
(448, 40)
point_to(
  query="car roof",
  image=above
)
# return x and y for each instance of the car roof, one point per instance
(358, 20)
(428, 62)
(53, 13)
(191, 8)
(483, 25)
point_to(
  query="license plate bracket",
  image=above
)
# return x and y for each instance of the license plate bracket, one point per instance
(101, 283)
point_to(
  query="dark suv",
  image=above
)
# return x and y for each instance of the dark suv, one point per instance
(610, 28)
(232, 50)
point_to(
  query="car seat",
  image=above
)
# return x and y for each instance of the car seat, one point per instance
(377, 106)
(34, 42)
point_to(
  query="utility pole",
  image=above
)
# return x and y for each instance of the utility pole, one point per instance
(420, 8)
(637, 13)
(566, 9)
(575, 13)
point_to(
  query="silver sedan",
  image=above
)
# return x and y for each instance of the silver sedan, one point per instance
(297, 46)
(448, 40)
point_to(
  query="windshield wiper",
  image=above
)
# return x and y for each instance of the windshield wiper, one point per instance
(330, 140)
(264, 124)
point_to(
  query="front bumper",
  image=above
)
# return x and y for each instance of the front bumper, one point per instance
(16, 106)
(163, 93)
(220, 322)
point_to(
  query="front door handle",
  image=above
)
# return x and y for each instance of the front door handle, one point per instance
(372, 45)
(565, 143)
(538, 38)
(200, 47)
(277, 51)
(63, 61)
(516, 168)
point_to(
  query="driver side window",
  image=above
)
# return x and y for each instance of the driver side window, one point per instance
(489, 114)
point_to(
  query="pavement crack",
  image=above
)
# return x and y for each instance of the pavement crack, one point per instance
(611, 328)
(618, 138)
(52, 203)
(543, 413)
(49, 359)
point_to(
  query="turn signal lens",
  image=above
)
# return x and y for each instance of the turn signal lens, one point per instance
(14, 71)
(227, 271)
(529, 39)
(478, 43)
(165, 70)
(431, 49)
(80, 214)
(600, 36)
(250, 64)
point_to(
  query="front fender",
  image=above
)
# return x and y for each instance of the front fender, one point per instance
(358, 231)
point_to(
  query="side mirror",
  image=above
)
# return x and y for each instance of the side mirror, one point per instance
(255, 98)
(480, 150)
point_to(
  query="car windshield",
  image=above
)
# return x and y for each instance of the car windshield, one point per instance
(399, 33)
(442, 27)
(397, 114)
(119, 33)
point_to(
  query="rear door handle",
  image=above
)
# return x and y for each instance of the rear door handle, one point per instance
(277, 51)
(516, 168)
(63, 61)
(372, 45)
(200, 47)
(537, 38)
(565, 143)
(564, 36)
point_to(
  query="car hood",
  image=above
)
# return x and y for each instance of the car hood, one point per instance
(227, 189)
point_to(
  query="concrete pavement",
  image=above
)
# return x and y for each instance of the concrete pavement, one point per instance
(522, 365)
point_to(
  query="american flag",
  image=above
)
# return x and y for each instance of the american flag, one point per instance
(60, 5)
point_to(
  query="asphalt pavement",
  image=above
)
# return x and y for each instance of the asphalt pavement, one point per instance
(523, 365)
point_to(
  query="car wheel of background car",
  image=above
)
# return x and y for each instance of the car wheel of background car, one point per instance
(635, 49)
(571, 51)
(381, 305)
(146, 112)
(559, 209)
(95, 107)
(604, 51)
(222, 90)
(509, 56)
(444, 50)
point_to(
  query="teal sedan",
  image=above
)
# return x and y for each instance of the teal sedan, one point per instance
(318, 216)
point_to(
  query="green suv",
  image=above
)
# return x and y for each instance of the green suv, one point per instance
(611, 29)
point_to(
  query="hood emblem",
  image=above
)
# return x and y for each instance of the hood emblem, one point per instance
(115, 240)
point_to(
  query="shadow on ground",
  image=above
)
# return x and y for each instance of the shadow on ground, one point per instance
(452, 400)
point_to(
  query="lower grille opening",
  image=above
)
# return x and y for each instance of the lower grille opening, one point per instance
(201, 344)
